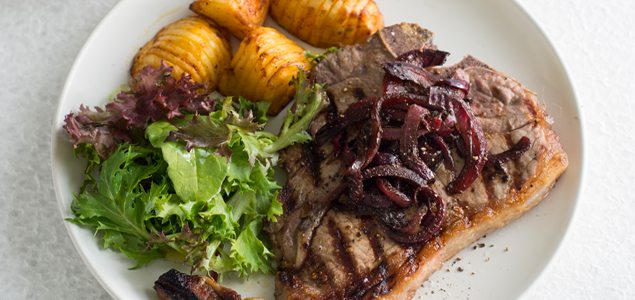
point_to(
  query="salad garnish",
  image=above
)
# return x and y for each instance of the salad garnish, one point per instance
(176, 173)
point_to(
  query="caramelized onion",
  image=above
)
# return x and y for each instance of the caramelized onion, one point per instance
(409, 99)
(475, 144)
(408, 72)
(408, 146)
(514, 152)
(393, 171)
(392, 193)
(382, 158)
(375, 131)
(357, 112)
(428, 225)
(391, 145)
(448, 161)
(458, 84)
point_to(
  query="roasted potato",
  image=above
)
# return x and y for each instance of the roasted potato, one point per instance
(190, 45)
(326, 23)
(263, 67)
(238, 16)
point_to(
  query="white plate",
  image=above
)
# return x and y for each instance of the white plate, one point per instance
(498, 32)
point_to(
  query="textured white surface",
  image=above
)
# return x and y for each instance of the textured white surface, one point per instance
(39, 40)
(596, 40)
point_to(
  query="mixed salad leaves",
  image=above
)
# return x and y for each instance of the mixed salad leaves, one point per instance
(173, 172)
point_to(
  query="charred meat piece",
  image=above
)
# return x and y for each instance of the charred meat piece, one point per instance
(174, 285)
(326, 251)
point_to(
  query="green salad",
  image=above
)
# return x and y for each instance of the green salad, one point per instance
(175, 173)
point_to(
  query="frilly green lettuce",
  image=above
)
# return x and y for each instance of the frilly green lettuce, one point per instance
(199, 187)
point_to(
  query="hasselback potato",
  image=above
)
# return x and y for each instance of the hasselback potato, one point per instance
(238, 16)
(262, 68)
(326, 23)
(190, 45)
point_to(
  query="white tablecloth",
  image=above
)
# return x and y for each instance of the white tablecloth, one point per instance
(40, 39)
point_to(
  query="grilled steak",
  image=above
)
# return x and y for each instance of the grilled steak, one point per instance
(328, 253)
(174, 285)
(307, 197)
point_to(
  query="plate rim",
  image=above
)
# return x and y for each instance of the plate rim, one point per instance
(566, 236)
(569, 84)
(54, 145)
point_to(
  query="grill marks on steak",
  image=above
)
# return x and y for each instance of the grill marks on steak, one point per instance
(348, 258)
(305, 202)
(328, 253)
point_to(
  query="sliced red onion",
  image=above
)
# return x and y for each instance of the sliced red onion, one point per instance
(409, 145)
(457, 84)
(382, 158)
(435, 123)
(393, 171)
(375, 132)
(409, 99)
(391, 134)
(514, 152)
(395, 134)
(392, 193)
(439, 96)
(356, 112)
(428, 226)
(448, 161)
(393, 86)
(474, 140)
(417, 109)
(411, 73)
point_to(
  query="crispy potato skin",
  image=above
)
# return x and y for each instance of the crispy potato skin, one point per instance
(190, 45)
(262, 68)
(240, 17)
(326, 23)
